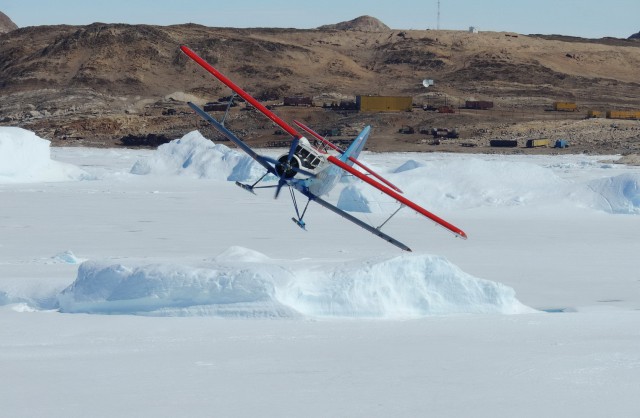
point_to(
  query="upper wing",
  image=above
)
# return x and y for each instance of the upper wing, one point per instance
(457, 231)
(217, 74)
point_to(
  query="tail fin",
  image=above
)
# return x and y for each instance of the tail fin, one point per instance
(356, 146)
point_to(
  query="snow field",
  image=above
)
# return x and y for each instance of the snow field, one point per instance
(196, 270)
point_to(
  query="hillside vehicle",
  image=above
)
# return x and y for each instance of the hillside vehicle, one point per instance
(445, 133)
(311, 171)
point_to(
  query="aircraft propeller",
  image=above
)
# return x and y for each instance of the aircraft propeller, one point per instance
(284, 168)
(287, 166)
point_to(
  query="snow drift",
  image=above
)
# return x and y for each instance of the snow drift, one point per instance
(472, 182)
(402, 286)
(195, 156)
(174, 290)
(25, 158)
(462, 183)
(437, 183)
(243, 283)
(619, 194)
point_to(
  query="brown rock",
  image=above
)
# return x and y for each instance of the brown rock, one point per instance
(6, 24)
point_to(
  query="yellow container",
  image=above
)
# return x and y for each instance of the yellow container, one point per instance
(384, 103)
(532, 143)
(565, 106)
(594, 114)
(623, 114)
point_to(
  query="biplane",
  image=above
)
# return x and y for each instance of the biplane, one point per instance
(312, 169)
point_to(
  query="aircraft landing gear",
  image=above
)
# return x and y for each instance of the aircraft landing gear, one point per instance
(298, 221)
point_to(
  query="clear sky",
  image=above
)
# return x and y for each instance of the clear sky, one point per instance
(585, 18)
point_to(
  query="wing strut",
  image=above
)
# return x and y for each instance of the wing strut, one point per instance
(392, 215)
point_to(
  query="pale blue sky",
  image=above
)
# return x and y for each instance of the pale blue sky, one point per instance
(586, 18)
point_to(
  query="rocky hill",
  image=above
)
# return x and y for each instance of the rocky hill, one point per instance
(6, 24)
(95, 84)
(362, 24)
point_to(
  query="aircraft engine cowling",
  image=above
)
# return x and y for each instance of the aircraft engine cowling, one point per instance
(284, 169)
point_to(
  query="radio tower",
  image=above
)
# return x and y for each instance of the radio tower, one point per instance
(438, 14)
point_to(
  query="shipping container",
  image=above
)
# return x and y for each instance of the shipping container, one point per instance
(565, 106)
(561, 143)
(532, 143)
(510, 143)
(384, 103)
(478, 104)
(623, 114)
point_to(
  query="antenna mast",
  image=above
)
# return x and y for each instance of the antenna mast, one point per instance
(438, 14)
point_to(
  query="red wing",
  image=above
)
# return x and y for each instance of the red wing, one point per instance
(459, 232)
(217, 74)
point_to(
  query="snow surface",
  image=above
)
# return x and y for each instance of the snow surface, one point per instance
(333, 321)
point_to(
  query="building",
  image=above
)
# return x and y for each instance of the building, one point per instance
(384, 103)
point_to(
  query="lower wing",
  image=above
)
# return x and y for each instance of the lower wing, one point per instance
(231, 137)
(349, 217)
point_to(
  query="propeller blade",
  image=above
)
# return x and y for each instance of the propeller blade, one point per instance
(269, 159)
(292, 150)
(281, 183)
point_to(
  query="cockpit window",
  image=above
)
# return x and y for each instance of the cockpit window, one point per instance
(308, 157)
